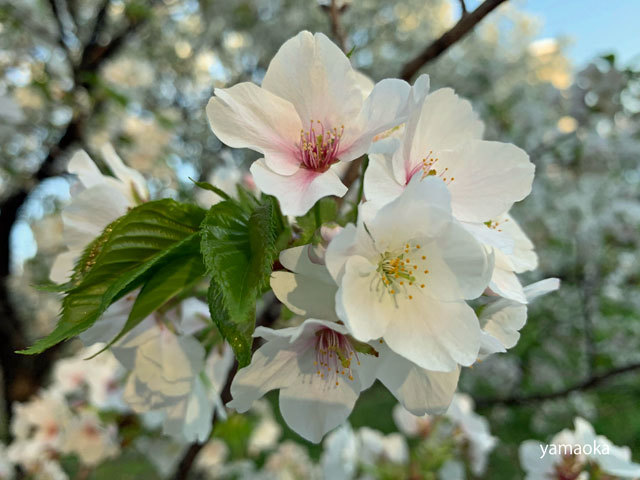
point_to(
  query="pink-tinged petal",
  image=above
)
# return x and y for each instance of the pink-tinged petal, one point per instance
(299, 191)
(385, 108)
(420, 391)
(434, 335)
(312, 73)
(247, 116)
(485, 178)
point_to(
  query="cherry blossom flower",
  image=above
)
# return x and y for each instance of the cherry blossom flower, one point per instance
(474, 429)
(91, 441)
(96, 201)
(404, 273)
(169, 374)
(310, 113)
(442, 139)
(571, 452)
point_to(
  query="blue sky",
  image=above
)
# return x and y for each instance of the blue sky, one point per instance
(594, 26)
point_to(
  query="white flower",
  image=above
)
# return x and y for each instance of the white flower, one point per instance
(476, 431)
(100, 375)
(309, 114)
(404, 274)
(474, 428)
(97, 200)
(340, 454)
(502, 319)
(442, 139)
(43, 419)
(570, 452)
(345, 451)
(376, 447)
(320, 371)
(290, 462)
(266, 434)
(169, 374)
(309, 290)
(91, 441)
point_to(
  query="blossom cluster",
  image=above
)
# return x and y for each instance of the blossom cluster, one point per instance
(385, 297)
(64, 418)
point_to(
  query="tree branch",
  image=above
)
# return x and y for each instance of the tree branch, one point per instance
(337, 31)
(587, 384)
(465, 25)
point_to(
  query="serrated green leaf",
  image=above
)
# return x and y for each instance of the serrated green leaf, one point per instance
(119, 261)
(239, 247)
(237, 331)
(180, 270)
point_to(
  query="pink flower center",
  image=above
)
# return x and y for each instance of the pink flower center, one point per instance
(334, 353)
(319, 146)
(428, 166)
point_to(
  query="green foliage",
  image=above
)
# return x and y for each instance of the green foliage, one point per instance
(240, 241)
(325, 210)
(212, 188)
(153, 242)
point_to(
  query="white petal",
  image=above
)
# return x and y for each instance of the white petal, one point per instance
(380, 186)
(423, 210)
(87, 171)
(298, 192)
(535, 465)
(443, 122)
(385, 108)
(434, 335)
(420, 391)
(247, 116)
(540, 288)
(313, 406)
(502, 320)
(341, 247)
(365, 84)
(490, 236)
(464, 264)
(506, 284)
(272, 366)
(314, 75)
(523, 258)
(305, 295)
(488, 178)
(130, 177)
(365, 312)
(90, 212)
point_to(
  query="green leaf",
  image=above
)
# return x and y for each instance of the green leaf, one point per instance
(237, 330)
(239, 246)
(180, 271)
(212, 188)
(120, 260)
(325, 210)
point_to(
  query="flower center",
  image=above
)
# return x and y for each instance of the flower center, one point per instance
(402, 272)
(429, 168)
(319, 146)
(334, 353)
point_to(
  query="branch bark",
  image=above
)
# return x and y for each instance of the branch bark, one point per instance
(337, 31)
(466, 23)
(587, 384)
